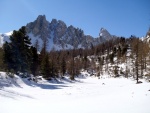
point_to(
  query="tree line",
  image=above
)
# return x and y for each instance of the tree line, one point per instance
(19, 56)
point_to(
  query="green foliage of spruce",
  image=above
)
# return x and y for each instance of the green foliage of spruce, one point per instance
(1, 60)
(17, 54)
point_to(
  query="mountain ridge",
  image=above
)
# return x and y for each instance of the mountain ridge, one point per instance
(60, 36)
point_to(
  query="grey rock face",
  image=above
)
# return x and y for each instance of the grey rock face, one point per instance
(105, 35)
(60, 35)
(39, 27)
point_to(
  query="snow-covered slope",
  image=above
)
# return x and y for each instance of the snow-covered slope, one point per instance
(5, 37)
(147, 39)
(85, 95)
(50, 44)
(9, 33)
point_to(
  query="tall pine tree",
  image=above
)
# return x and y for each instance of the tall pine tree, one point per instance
(17, 55)
(63, 66)
(34, 65)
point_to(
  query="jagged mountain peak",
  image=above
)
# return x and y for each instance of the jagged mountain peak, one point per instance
(102, 29)
(41, 17)
(57, 33)
(104, 34)
(60, 36)
(55, 21)
(147, 37)
(39, 27)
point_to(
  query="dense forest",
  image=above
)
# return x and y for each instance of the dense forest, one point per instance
(19, 56)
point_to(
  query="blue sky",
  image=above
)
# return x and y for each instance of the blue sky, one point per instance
(119, 17)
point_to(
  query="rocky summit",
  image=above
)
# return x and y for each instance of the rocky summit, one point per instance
(57, 35)
(60, 36)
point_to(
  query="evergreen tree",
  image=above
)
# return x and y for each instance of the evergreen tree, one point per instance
(41, 58)
(8, 57)
(85, 61)
(34, 61)
(1, 60)
(135, 51)
(36, 45)
(45, 67)
(25, 51)
(71, 65)
(54, 63)
(71, 68)
(63, 66)
(17, 52)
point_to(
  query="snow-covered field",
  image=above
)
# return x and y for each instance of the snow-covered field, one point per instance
(85, 95)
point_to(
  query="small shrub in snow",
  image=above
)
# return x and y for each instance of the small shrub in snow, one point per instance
(121, 72)
(10, 74)
(103, 83)
(147, 75)
(32, 79)
(139, 82)
(116, 75)
(24, 75)
(116, 71)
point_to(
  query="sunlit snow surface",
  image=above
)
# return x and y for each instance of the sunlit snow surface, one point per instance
(85, 95)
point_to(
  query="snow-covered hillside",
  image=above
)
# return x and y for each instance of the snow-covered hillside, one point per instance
(50, 44)
(5, 37)
(85, 95)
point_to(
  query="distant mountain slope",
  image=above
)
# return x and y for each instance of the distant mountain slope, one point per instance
(59, 36)
(4, 37)
(147, 38)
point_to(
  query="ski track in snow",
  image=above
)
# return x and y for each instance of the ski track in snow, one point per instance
(87, 95)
